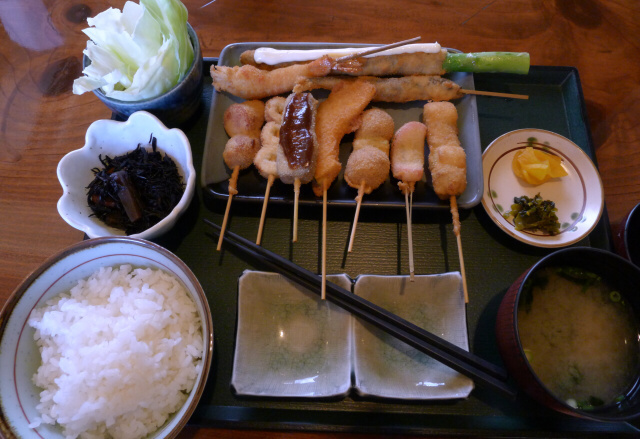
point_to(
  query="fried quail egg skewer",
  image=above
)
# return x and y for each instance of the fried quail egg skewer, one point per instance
(242, 122)
(407, 165)
(368, 165)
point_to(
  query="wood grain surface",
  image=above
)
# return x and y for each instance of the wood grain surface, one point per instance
(41, 47)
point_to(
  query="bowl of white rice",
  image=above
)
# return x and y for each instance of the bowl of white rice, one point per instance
(111, 338)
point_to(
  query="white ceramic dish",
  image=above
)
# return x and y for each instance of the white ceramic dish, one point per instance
(289, 343)
(578, 196)
(386, 367)
(19, 356)
(113, 138)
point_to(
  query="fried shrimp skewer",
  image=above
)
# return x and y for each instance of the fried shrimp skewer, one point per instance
(242, 123)
(403, 89)
(447, 164)
(249, 82)
(368, 165)
(335, 118)
(407, 165)
(298, 146)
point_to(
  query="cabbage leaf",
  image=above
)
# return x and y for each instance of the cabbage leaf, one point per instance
(137, 53)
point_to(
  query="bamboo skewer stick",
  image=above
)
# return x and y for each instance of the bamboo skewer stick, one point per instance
(493, 93)
(408, 204)
(270, 181)
(296, 197)
(323, 289)
(355, 218)
(456, 231)
(377, 49)
(233, 181)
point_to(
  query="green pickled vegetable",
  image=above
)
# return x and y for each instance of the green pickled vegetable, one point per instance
(534, 214)
(487, 62)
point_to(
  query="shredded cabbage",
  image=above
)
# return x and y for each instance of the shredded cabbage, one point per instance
(138, 53)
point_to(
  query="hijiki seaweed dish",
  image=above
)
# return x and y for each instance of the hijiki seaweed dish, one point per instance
(135, 191)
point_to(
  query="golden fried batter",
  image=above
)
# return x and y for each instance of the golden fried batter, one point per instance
(447, 159)
(334, 119)
(403, 89)
(249, 82)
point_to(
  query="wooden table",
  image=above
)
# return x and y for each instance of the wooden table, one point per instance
(41, 120)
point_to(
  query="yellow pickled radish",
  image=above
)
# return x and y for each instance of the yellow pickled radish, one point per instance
(535, 166)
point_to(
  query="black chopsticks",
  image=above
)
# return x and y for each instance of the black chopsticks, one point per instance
(474, 367)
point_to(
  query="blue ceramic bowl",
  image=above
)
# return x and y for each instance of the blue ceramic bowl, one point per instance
(175, 106)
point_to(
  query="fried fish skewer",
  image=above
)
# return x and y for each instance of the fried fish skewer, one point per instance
(447, 164)
(407, 165)
(242, 123)
(368, 165)
(298, 146)
(249, 82)
(334, 119)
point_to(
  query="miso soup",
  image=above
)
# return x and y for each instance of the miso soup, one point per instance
(579, 335)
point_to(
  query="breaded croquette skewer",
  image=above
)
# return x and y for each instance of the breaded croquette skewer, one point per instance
(447, 164)
(407, 165)
(242, 123)
(298, 146)
(368, 165)
(403, 89)
(334, 119)
(249, 82)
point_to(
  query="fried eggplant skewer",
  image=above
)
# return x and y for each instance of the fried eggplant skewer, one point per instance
(447, 164)
(242, 122)
(298, 146)
(407, 165)
(368, 165)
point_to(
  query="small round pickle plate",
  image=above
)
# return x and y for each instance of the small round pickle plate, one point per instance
(578, 196)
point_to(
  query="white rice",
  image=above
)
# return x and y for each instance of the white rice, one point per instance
(120, 352)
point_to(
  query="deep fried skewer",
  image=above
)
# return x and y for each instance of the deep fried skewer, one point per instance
(298, 146)
(407, 165)
(334, 119)
(447, 164)
(368, 165)
(242, 123)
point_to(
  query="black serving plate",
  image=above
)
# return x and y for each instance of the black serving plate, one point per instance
(493, 261)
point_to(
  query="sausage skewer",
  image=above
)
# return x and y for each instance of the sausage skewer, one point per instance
(298, 146)
(407, 165)
(242, 123)
(368, 165)
(447, 164)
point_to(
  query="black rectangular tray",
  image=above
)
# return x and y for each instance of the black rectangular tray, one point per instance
(493, 261)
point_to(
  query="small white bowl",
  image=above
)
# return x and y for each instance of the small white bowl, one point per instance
(19, 354)
(112, 138)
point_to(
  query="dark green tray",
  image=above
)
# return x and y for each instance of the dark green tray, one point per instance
(493, 261)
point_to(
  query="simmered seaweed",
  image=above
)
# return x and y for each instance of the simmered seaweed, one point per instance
(136, 190)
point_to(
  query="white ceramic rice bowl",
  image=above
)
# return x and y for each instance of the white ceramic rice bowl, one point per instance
(19, 354)
(112, 138)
